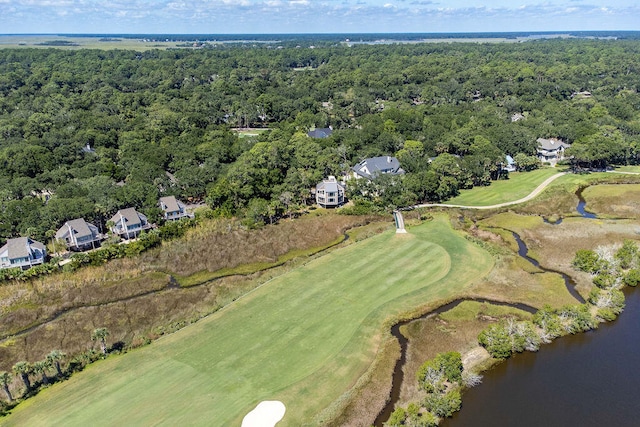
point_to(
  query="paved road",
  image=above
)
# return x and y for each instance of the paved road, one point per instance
(539, 189)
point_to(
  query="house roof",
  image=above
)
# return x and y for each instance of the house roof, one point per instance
(329, 185)
(80, 227)
(130, 215)
(170, 204)
(320, 133)
(551, 144)
(369, 168)
(20, 247)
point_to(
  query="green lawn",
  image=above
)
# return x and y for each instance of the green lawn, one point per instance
(303, 338)
(519, 185)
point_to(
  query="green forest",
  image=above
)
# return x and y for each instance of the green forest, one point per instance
(162, 122)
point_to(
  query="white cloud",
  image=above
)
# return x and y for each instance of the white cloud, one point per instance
(219, 16)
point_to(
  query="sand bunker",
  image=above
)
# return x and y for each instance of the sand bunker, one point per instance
(266, 414)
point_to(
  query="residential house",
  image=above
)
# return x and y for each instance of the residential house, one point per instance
(129, 223)
(509, 164)
(330, 193)
(517, 117)
(79, 235)
(551, 150)
(370, 168)
(173, 209)
(320, 132)
(22, 252)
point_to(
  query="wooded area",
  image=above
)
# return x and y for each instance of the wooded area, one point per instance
(160, 122)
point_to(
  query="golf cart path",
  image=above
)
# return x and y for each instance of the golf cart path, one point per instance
(539, 189)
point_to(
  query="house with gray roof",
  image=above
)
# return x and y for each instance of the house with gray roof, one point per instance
(320, 133)
(173, 209)
(370, 168)
(128, 223)
(22, 252)
(79, 235)
(509, 164)
(551, 150)
(330, 193)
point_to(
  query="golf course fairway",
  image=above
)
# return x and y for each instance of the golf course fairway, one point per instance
(303, 338)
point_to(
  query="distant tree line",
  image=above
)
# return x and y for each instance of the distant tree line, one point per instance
(84, 133)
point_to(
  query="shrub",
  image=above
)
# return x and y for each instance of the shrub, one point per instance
(548, 321)
(577, 318)
(587, 261)
(627, 254)
(497, 341)
(632, 278)
(445, 366)
(443, 405)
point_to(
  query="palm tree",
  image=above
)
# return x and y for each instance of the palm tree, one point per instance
(50, 234)
(41, 367)
(23, 369)
(5, 379)
(101, 335)
(54, 359)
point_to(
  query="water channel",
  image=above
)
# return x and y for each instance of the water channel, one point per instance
(586, 379)
(581, 380)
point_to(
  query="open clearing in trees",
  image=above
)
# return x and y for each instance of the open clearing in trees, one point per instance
(303, 338)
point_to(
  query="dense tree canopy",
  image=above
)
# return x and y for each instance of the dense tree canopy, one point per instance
(101, 130)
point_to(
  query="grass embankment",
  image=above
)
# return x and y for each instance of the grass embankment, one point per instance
(133, 297)
(559, 199)
(613, 201)
(519, 185)
(303, 338)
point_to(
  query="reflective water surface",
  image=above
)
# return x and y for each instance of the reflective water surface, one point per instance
(589, 379)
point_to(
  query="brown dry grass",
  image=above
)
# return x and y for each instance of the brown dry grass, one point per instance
(555, 246)
(369, 397)
(455, 330)
(616, 201)
(222, 244)
(132, 297)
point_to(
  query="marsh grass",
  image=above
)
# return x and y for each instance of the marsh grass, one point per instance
(132, 296)
(454, 330)
(615, 201)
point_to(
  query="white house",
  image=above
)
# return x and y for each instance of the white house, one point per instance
(129, 223)
(330, 193)
(172, 208)
(551, 150)
(22, 252)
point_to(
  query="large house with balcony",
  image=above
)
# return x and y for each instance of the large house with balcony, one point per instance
(551, 150)
(129, 223)
(330, 193)
(79, 235)
(173, 209)
(22, 252)
(371, 168)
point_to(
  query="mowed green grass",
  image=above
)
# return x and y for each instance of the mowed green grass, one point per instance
(303, 338)
(519, 185)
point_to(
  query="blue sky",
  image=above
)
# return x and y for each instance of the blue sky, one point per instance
(314, 16)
